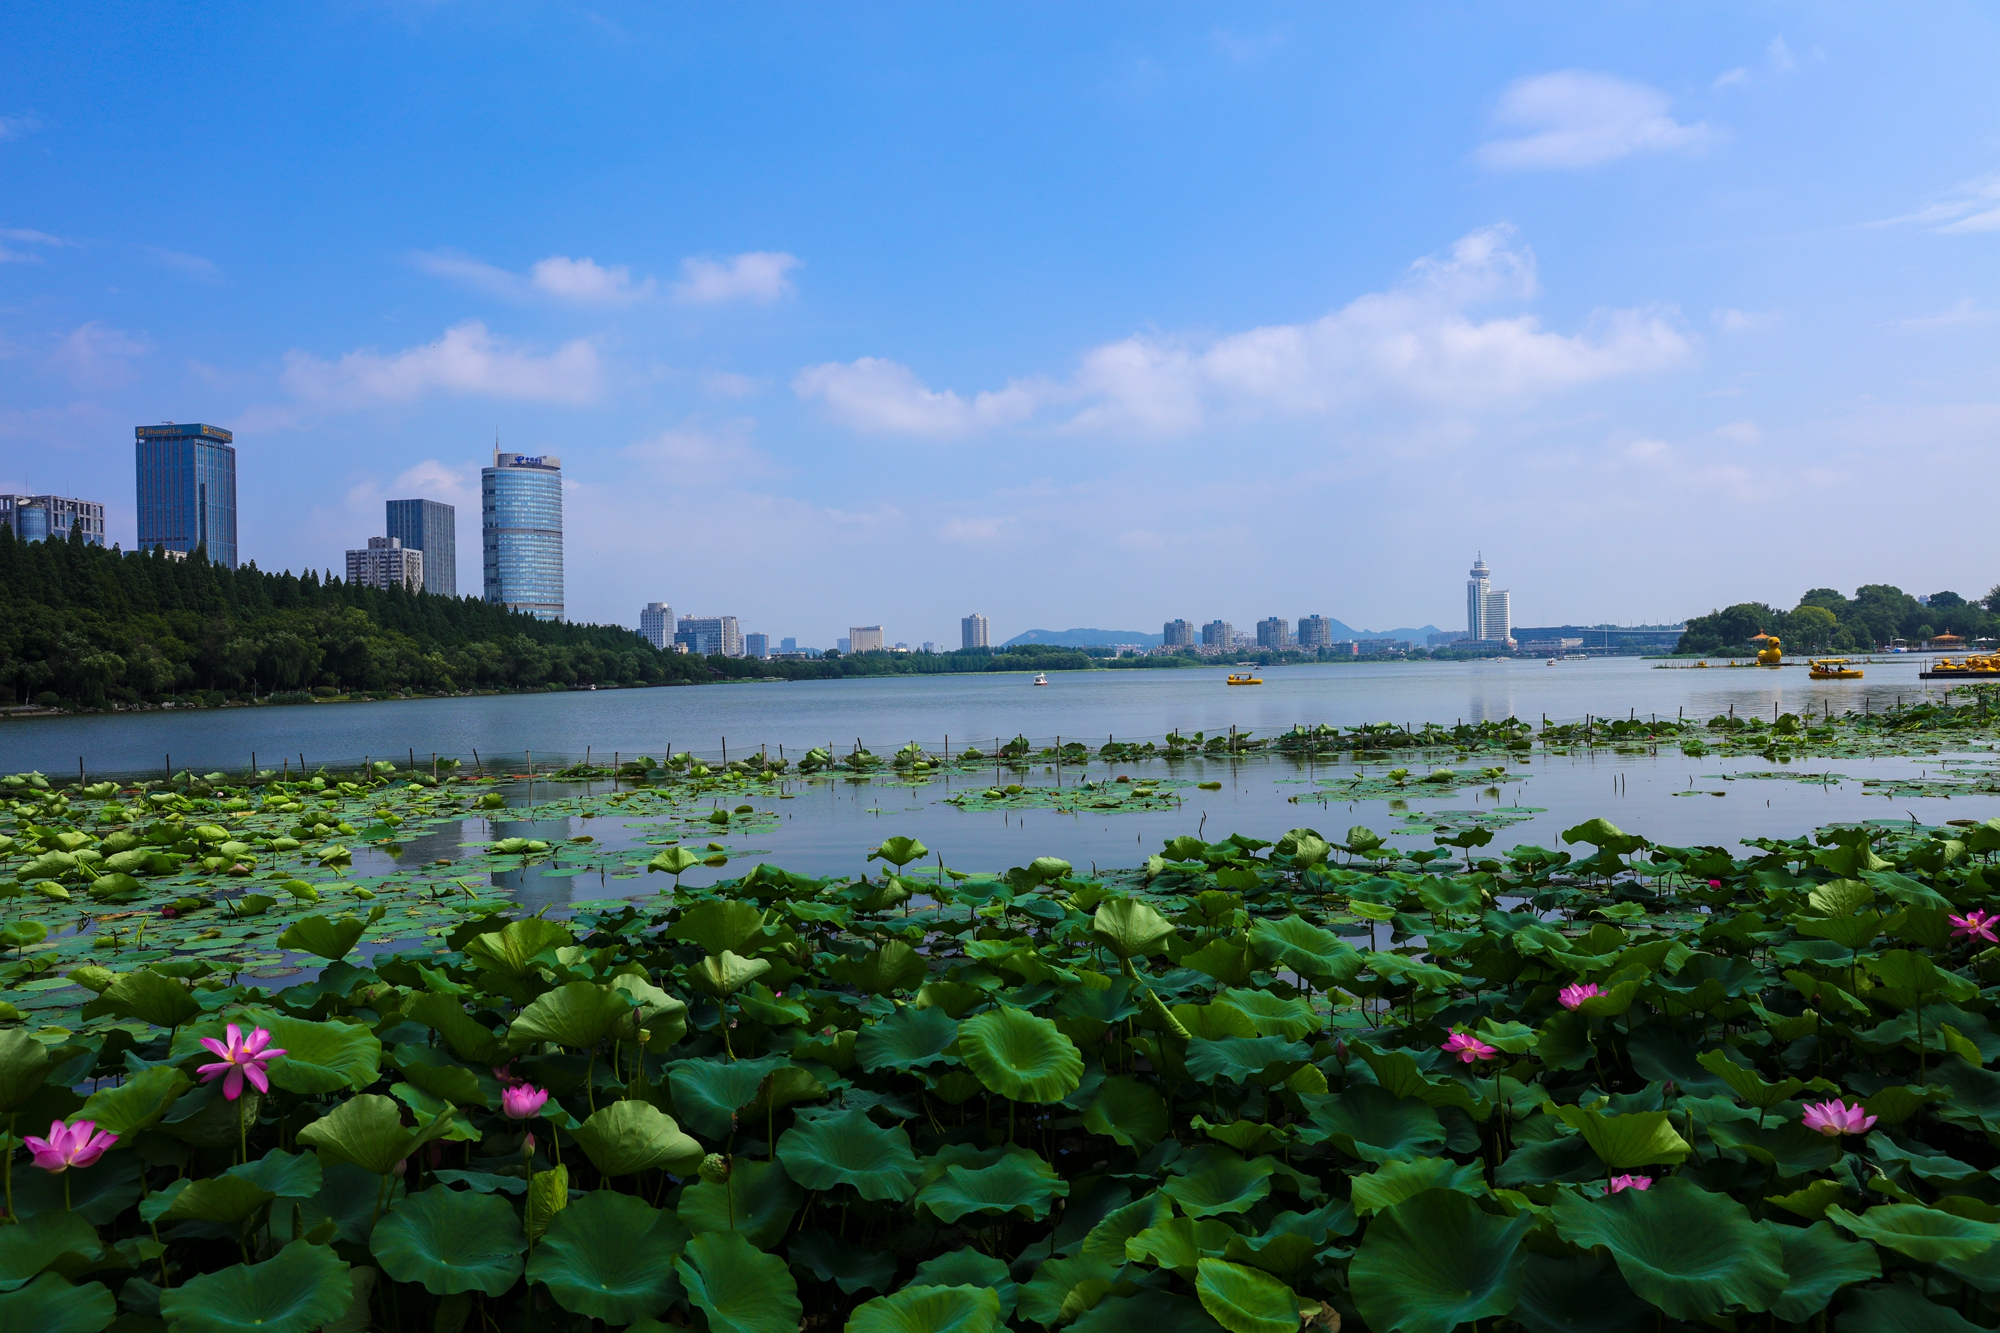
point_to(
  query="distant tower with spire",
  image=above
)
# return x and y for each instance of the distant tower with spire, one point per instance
(1489, 615)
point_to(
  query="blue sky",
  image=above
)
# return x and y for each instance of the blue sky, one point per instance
(1072, 315)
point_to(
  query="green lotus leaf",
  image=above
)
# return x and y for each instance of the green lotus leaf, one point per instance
(1688, 1251)
(98, 1195)
(1583, 1293)
(547, 1194)
(469, 1039)
(1128, 1111)
(1272, 1015)
(1216, 1181)
(298, 1289)
(1372, 1123)
(1290, 1247)
(1927, 1235)
(709, 1093)
(759, 1201)
(894, 966)
(908, 1039)
(662, 1016)
(1179, 1244)
(1246, 1300)
(1435, 1261)
(740, 1288)
(1622, 1142)
(368, 1132)
(437, 1073)
(899, 852)
(609, 1256)
(28, 1248)
(1020, 1056)
(214, 1199)
(1237, 1059)
(116, 887)
(1393, 1182)
(849, 1265)
(286, 1175)
(723, 974)
(452, 1241)
(627, 1137)
(1818, 1263)
(1296, 945)
(1130, 929)
(331, 940)
(1145, 1312)
(51, 1305)
(917, 1309)
(24, 1066)
(720, 925)
(968, 1267)
(323, 1057)
(1017, 1184)
(578, 1015)
(1895, 1308)
(150, 998)
(847, 1148)
(1106, 1239)
(519, 949)
(675, 861)
(1062, 1288)
(1790, 1147)
(137, 1103)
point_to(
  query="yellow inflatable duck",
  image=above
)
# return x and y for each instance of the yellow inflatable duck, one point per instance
(1772, 653)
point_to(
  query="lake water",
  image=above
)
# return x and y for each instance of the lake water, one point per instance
(828, 825)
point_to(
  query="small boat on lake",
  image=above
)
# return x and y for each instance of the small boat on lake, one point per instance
(1245, 679)
(1833, 668)
(1041, 679)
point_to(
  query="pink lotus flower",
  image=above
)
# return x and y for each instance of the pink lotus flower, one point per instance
(523, 1101)
(1715, 884)
(1469, 1048)
(1836, 1117)
(1572, 997)
(1630, 1183)
(505, 1073)
(69, 1145)
(1977, 923)
(241, 1059)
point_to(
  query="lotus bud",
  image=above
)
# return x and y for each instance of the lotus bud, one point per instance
(715, 1169)
(399, 1168)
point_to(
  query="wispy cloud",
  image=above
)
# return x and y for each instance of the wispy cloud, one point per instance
(24, 236)
(757, 276)
(1964, 314)
(194, 266)
(559, 277)
(1780, 55)
(466, 360)
(1745, 321)
(95, 356)
(1413, 347)
(18, 126)
(694, 453)
(1573, 119)
(1969, 206)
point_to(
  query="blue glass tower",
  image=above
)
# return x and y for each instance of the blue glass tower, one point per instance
(520, 530)
(187, 490)
(431, 527)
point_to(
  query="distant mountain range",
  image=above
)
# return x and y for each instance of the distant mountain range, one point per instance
(1094, 638)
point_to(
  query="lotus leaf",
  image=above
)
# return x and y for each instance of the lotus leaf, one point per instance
(709, 1093)
(1577, 1294)
(722, 975)
(759, 1200)
(1393, 1182)
(286, 1175)
(323, 1057)
(578, 1015)
(51, 1305)
(1020, 1056)
(331, 940)
(368, 1132)
(215, 1199)
(1215, 1181)
(609, 1256)
(1374, 1124)
(1129, 1112)
(1145, 1312)
(720, 925)
(628, 1137)
(740, 1288)
(1273, 1016)
(298, 1289)
(1179, 1243)
(150, 998)
(1818, 1263)
(469, 1039)
(1435, 1261)
(928, 1309)
(1928, 1235)
(137, 1103)
(1063, 1288)
(910, 1038)
(1246, 1300)
(895, 966)
(517, 949)
(1240, 1059)
(1690, 1252)
(1015, 1184)
(28, 1248)
(1622, 1142)
(969, 1268)
(847, 1148)
(24, 1065)
(1130, 928)
(451, 1241)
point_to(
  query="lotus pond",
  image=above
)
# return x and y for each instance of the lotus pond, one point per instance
(1420, 1074)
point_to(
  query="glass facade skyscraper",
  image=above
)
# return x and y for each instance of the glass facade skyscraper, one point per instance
(431, 527)
(37, 518)
(187, 489)
(520, 530)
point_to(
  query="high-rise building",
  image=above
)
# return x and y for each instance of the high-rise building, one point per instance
(35, 518)
(430, 526)
(1218, 634)
(386, 563)
(1177, 634)
(843, 645)
(187, 489)
(756, 645)
(656, 624)
(788, 645)
(1489, 615)
(1315, 632)
(1274, 632)
(710, 635)
(974, 631)
(520, 533)
(865, 638)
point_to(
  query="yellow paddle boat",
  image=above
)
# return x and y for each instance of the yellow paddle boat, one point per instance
(1833, 668)
(1244, 679)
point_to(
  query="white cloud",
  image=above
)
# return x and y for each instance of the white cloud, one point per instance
(1781, 55)
(1743, 433)
(17, 126)
(1729, 78)
(94, 356)
(467, 359)
(1649, 451)
(202, 270)
(975, 531)
(1964, 314)
(578, 281)
(1574, 119)
(1969, 206)
(758, 275)
(586, 282)
(729, 384)
(1414, 346)
(1744, 321)
(23, 236)
(692, 454)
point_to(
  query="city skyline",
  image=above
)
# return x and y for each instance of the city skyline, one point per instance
(1089, 291)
